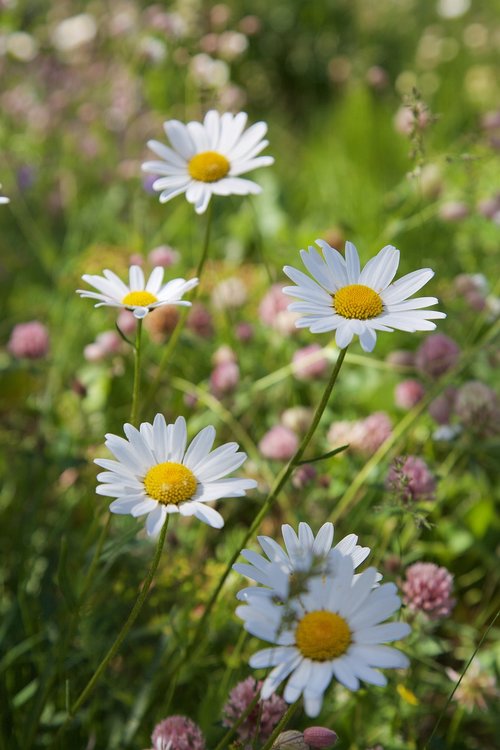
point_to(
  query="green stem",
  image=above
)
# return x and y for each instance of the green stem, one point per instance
(455, 688)
(282, 724)
(134, 413)
(273, 494)
(125, 629)
(176, 333)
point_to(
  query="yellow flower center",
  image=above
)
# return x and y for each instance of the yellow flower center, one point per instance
(322, 636)
(357, 301)
(170, 482)
(209, 166)
(139, 299)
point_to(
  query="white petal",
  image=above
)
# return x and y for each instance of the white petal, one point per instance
(391, 631)
(270, 657)
(199, 447)
(352, 263)
(407, 285)
(380, 270)
(180, 139)
(209, 516)
(279, 673)
(155, 520)
(136, 278)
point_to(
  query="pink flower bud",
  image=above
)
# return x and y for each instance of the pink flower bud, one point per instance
(126, 322)
(401, 358)
(164, 256)
(408, 393)
(224, 378)
(307, 362)
(244, 332)
(453, 211)
(199, 321)
(29, 340)
(109, 341)
(437, 355)
(320, 737)
(136, 260)
(279, 443)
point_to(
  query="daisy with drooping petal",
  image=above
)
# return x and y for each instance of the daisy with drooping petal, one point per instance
(208, 158)
(353, 302)
(139, 296)
(335, 630)
(156, 474)
(305, 554)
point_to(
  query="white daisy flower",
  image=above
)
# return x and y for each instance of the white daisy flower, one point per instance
(155, 474)
(139, 297)
(305, 556)
(335, 630)
(207, 159)
(342, 298)
(3, 198)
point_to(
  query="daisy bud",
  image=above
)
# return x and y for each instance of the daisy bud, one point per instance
(320, 737)
(29, 340)
(279, 443)
(290, 740)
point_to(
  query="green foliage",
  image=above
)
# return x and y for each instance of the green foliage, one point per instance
(73, 133)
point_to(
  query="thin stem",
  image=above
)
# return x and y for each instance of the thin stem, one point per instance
(176, 333)
(282, 724)
(134, 413)
(126, 627)
(455, 688)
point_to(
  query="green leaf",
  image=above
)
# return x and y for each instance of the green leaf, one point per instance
(324, 455)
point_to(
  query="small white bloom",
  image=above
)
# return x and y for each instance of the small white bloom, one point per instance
(207, 159)
(343, 298)
(335, 630)
(156, 474)
(139, 297)
(3, 198)
(304, 553)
